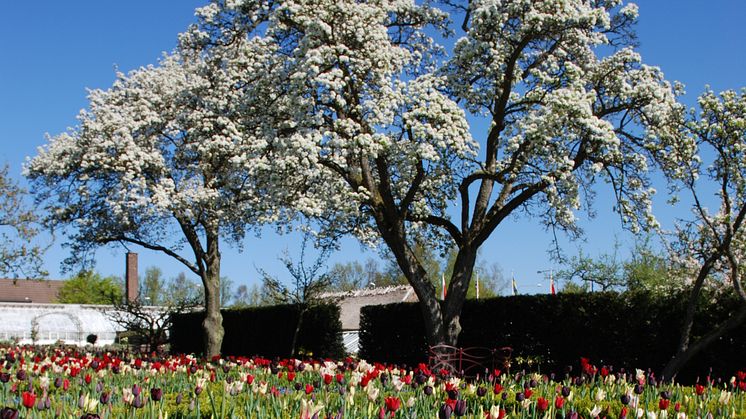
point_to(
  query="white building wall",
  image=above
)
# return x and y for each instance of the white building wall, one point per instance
(50, 323)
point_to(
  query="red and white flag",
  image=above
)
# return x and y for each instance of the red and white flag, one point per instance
(551, 286)
(442, 286)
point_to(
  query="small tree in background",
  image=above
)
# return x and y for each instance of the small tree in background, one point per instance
(18, 227)
(712, 245)
(307, 283)
(148, 322)
(88, 287)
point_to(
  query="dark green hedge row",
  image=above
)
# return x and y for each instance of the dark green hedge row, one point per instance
(265, 331)
(629, 330)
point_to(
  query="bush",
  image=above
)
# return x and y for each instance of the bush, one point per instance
(630, 330)
(265, 331)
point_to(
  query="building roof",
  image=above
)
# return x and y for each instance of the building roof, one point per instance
(350, 302)
(29, 290)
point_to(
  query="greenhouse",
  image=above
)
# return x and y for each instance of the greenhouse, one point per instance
(51, 323)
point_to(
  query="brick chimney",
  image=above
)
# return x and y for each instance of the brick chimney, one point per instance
(130, 277)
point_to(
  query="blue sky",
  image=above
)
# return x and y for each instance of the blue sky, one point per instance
(53, 51)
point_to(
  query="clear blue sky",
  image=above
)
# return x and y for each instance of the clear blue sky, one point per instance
(54, 50)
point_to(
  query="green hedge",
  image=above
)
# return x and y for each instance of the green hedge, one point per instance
(265, 331)
(630, 330)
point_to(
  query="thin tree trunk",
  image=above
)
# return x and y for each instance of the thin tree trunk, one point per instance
(685, 355)
(298, 324)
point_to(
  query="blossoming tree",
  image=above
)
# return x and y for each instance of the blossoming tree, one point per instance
(713, 243)
(171, 159)
(384, 116)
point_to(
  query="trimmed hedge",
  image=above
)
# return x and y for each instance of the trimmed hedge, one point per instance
(629, 330)
(265, 331)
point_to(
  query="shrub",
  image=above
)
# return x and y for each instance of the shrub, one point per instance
(266, 331)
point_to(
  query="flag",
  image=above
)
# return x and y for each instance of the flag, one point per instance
(442, 286)
(477, 285)
(551, 286)
(515, 288)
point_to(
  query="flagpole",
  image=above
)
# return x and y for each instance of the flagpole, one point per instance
(515, 288)
(477, 285)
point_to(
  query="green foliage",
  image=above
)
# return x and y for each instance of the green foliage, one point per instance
(647, 269)
(152, 289)
(88, 287)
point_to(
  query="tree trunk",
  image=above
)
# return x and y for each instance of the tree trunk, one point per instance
(463, 269)
(685, 354)
(303, 309)
(432, 315)
(213, 322)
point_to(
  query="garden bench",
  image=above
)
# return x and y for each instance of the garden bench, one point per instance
(469, 362)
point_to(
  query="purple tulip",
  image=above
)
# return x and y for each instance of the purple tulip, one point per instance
(156, 394)
(519, 397)
(8, 413)
(566, 391)
(136, 390)
(460, 409)
(105, 397)
(138, 402)
(90, 416)
(4, 377)
(452, 394)
(21, 375)
(639, 388)
(481, 391)
(445, 412)
(625, 399)
(179, 398)
(428, 390)
(572, 415)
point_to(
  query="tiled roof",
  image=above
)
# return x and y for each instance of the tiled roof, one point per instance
(29, 290)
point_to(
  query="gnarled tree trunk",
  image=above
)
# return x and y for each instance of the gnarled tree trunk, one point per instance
(212, 325)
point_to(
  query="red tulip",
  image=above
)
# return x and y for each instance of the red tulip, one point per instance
(663, 404)
(498, 388)
(623, 413)
(392, 404)
(249, 379)
(542, 404)
(309, 388)
(328, 379)
(559, 401)
(527, 392)
(700, 389)
(29, 399)
(88, 378)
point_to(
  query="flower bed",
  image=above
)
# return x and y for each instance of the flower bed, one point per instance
(47, 383)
